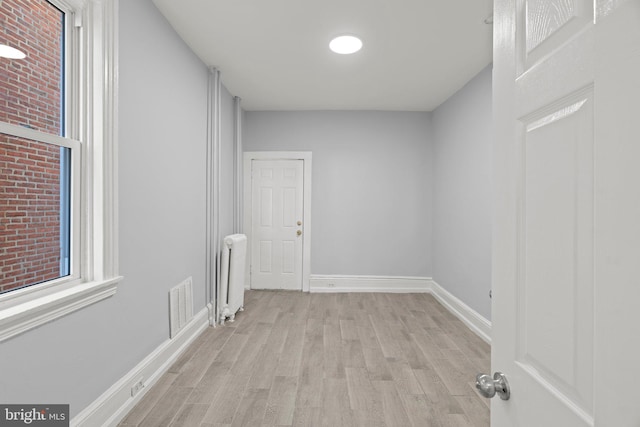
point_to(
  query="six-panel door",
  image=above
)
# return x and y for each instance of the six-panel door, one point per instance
(277, 228)
(566, 208)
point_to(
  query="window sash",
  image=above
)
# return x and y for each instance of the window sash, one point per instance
(75, 273)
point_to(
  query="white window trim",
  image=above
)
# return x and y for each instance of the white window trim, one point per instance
(94, 92)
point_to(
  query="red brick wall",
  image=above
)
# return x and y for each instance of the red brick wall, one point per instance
(30, 91)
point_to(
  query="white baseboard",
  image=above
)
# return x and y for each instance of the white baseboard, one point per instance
(399, 284)
(114, 404)
(334, 284)
(474, 321)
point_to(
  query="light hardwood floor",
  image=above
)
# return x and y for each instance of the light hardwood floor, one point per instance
(330, 360)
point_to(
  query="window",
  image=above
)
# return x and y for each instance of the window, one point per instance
(35, 211)
(35, 202)
(58, 247)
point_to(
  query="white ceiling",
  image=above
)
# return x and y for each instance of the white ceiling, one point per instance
(274, 54)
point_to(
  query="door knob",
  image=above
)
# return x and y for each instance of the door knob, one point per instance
(488, 387)
(299, 232)
(299, 222)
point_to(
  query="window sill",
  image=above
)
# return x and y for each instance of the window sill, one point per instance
(20, 313)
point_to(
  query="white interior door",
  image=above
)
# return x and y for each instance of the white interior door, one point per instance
(567, 212)
(276, 225)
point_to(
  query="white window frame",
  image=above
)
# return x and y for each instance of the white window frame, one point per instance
(91, 45)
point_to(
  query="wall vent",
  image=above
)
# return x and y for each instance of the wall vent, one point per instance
(180, 306)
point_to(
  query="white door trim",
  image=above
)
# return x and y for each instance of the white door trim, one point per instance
(305, 156)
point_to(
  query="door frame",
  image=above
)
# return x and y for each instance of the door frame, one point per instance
(305, 156)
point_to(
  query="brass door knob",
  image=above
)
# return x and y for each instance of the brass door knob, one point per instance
(299, 232)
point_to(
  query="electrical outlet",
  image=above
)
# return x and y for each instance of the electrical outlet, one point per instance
(137, 386)
(331, 285)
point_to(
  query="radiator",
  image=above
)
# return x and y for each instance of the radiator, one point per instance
(234, 256)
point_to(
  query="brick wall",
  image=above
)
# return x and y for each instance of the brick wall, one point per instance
(30, 91)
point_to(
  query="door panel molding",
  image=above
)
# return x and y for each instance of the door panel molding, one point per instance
(306, 157)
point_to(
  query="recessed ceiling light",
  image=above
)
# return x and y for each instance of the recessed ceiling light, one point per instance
(11, 52)
(345, 45)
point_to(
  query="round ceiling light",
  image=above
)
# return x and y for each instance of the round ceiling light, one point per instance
(345, 45)
(11, 52)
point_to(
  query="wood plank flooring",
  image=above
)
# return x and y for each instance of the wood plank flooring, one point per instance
(300, 359)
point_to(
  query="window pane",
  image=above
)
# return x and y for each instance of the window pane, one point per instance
(31, 88)
(34, 212)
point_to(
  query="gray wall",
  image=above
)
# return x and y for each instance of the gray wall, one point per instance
(162, 149)
(227, 171)
(371, 192)
(462, 194)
